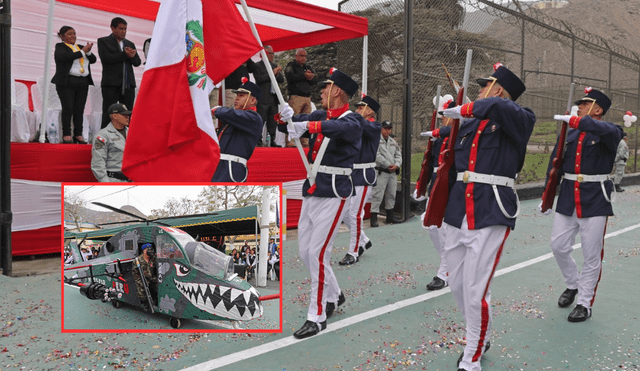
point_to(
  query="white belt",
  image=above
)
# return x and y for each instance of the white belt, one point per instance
(494, 181)
(334, 170)
(585, 178)
(364, 166)
(471, 177)
(232, 158)
(580, 178)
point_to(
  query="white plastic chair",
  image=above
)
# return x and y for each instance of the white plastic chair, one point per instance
(54, 108)
(22, 100)
(94, 100)
(19, 121)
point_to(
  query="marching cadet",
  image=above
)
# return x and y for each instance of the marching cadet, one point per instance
(239, 130)
(335, 141)
(584, 202)
(482, 208)
(147, 261)
(364, 177)
(441, 141)
(108, 146)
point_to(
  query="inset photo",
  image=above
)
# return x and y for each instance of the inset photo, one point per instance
(171, 258)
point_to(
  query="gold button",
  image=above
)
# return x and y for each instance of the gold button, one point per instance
(479, 131)
(578, 154)
(579, 142)
(468, 194)
(472, 161)
(577, 189)
(473, 145)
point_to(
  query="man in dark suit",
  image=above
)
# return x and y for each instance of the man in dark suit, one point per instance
(118, 56)
(268, 105)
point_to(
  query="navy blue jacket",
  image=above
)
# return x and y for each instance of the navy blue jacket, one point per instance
(369, 149)
(599, 141)
(501, 148)
(345, 145)
(240, 133)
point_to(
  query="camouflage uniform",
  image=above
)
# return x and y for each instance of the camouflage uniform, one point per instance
(106, 156)
(150, 275)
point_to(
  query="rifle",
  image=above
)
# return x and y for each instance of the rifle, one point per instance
(423, 178)
(552, 181)
(440, 192)
(454, 83)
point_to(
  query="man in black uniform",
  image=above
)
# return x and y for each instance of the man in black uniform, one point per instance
(118, 56)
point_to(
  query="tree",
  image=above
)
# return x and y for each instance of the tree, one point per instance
(174, 207)
(74, 208)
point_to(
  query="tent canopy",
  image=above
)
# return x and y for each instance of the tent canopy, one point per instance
(283, 24)
(224, 223)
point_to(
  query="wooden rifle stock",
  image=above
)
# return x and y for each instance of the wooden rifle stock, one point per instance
(423, 179)
(439, 195)
(552, 180)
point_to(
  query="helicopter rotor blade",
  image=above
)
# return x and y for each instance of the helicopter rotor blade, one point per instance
(120, 211)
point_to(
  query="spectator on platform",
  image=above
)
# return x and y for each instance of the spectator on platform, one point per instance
(118, 56)
(72, 80)
(233, 82)
(108, 147)
(268, 104)
(300, 80)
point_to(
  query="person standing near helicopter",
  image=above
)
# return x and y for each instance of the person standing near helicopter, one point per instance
(147, 262)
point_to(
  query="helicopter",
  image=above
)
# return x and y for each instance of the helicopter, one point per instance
(195, 281)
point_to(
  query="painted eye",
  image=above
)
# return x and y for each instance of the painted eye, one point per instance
(181, 270)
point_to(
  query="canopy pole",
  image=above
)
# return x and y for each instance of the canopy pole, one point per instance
(365, 62)
(264, 237)
(47, 63)
(5, 139)
(274, 82)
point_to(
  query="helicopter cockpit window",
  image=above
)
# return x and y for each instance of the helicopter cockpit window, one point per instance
(128, 244)
(167, 248)
(209, 260)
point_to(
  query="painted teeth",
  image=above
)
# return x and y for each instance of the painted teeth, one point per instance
(246, 308)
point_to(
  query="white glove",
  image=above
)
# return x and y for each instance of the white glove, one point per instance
(296, 129)
(415, 196)
(453, 113)
(564, 118)
(286, 112)
(546, 212)
(427, 134)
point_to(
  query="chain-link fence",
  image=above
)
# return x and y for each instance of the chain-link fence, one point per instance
(547, 53)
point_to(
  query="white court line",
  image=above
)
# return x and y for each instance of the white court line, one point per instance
(290, 340)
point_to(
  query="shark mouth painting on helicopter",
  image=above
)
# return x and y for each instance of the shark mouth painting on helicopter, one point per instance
(222, 301)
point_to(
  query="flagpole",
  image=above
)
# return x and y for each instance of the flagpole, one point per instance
(274, 83)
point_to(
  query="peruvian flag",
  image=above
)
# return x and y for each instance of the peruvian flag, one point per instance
(171, 136)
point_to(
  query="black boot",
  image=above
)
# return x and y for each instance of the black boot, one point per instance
(619, 189)
(391, 219)
(374, 220)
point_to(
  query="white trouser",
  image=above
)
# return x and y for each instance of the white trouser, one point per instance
(472, 257)
(386, 186)
(437, 237)
(320, 218)
(563, 236)
(353, 218)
